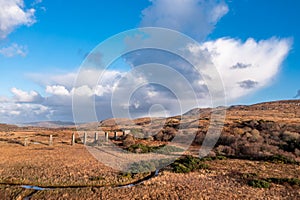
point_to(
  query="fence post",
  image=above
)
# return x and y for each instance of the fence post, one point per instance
(96, 137)
(51, 140)
(84, 138)
(106, 136)
(116, 136)
(73, 139)
(25, 142)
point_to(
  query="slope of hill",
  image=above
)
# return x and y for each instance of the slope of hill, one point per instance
(7, 127)
(256, 131)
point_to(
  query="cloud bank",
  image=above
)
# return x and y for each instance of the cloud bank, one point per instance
(262, 58)
(244, 66)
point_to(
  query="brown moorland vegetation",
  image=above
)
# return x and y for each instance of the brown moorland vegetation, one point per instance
(256, 157)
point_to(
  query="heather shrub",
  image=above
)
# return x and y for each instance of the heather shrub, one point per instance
(250, 150)
(227, 139)
(290, 181)
(128, 141)
(282, 159)
(288, 136)
(162, 149)
(225, 150)
(167, 134)
(188, 164)
(259, 183)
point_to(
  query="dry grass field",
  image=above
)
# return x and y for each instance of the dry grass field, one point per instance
(256, 157)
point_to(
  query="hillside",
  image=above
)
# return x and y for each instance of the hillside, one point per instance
(257, 156)
(256, 131)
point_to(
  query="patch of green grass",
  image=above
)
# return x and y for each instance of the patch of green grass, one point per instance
(290, 181)
(163, 149)
(126, 175)
(220, 158)
(257, 183)
(185, 164)
(254, 181)
(188, 164)
(214, 158)
(149, 166)
(282, 159)
(140, 148)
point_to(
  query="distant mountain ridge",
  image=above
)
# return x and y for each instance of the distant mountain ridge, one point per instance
(49, 124)
(282, 109)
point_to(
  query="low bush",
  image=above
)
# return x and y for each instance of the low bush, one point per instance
(163, 149)
(126, 175)
(265, 182)
(148, 166)
(140, 148)
(281, 159)
(290, 181)
(259, 183)
(188, 164)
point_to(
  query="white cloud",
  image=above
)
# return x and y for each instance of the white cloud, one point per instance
(196, 18)
(246, 66)
(57, 90)
(88, 77)
(101, 90)
(83, 91)
(14, 50)
(20, 113)
(26, 97)
(13, 14)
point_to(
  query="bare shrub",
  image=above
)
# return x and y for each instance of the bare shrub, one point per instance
(290, 136)
(225, 151)
(129, 140)
(227, 139)
(250, 150)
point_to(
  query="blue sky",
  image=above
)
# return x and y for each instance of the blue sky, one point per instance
(262, 20)
(44, 44)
